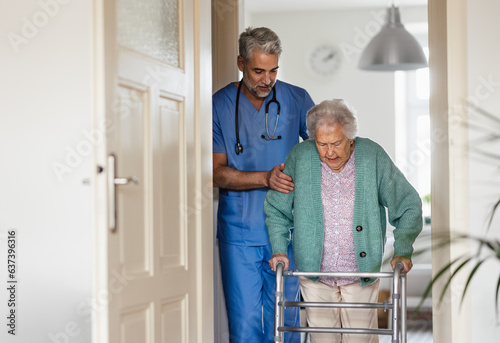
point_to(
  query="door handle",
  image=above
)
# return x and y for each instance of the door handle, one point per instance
(113, 182)
(125, 180)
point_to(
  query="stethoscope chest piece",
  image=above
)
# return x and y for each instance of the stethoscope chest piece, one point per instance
(238, 148)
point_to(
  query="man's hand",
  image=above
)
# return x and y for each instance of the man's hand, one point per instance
(234, 179)
(279, 181)
(404, 260)
(277, 258)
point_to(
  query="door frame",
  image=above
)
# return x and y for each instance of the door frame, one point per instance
(226, 26)
(449, 167)
(450, 213)
(204, 168)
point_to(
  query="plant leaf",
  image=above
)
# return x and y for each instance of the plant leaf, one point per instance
(445, 288)
(471, 275)
(431, 283)
(496, 296)
(487, 154)
(493, 210)
(484, 113)
(492, 244)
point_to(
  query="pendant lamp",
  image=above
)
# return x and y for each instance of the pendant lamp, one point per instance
(393, 48)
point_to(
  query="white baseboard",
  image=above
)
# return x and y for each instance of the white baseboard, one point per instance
(412, 302)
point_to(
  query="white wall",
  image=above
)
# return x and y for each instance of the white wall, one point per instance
(371, 93)
(45, 107)
(484, 90)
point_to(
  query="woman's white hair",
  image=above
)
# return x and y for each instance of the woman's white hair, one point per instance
(330, 113)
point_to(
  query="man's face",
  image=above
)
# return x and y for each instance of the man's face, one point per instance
(259, 73)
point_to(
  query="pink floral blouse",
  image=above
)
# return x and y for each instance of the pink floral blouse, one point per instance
(337, 194)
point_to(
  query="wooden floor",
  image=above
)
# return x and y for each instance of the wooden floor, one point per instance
(418, 331)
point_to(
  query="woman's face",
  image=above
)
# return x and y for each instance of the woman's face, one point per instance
(333, 146)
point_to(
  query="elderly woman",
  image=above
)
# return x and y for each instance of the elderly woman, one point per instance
(343, 185)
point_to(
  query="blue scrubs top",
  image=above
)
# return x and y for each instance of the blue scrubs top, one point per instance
(240, 214)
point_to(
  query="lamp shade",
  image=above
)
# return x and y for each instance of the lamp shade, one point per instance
(393, 48)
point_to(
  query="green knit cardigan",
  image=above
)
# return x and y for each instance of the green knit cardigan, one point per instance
(379, 184)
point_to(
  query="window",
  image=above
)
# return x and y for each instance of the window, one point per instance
(413, 139)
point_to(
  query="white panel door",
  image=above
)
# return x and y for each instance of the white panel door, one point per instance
(150, 280)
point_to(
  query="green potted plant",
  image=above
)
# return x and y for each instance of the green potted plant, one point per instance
(484, 248)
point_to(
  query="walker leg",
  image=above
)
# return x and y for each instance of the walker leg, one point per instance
(403, 309)
(278, 308)
(396, 297)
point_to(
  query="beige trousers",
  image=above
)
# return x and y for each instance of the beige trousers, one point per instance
(333, 317)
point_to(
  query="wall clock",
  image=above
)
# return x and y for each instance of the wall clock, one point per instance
(324, 60)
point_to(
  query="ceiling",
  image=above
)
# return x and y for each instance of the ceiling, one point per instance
(256, 6)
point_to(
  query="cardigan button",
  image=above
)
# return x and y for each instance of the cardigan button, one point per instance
(363, 254)
(366, 279)
(359, 228)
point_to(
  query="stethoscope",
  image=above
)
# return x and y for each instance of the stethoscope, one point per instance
(238, 147)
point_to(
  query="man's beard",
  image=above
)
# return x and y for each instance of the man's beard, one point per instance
(254, 90)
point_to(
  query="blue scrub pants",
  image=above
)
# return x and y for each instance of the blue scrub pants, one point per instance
(249, 286)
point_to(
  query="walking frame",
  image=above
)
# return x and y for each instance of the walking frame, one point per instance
(398, 304)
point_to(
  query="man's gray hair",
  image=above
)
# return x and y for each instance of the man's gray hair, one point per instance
(259, 39)
(330, 113)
